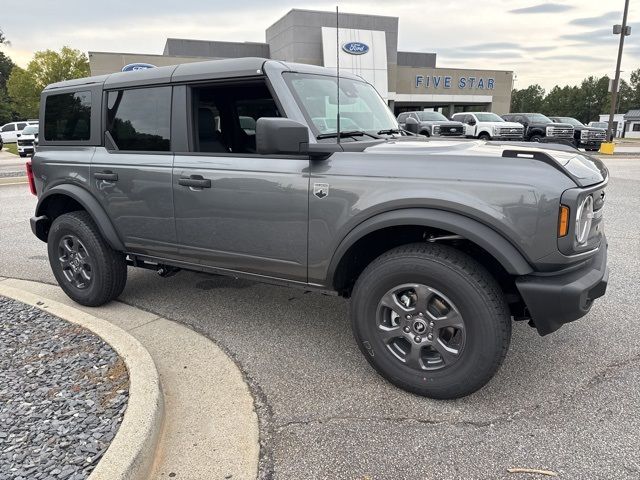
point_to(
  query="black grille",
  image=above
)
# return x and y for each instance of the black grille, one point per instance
(25, 143)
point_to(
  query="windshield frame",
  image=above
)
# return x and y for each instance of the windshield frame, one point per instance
(443, 119)
(498, 118)
(289, 76)
(571, 121)
(25, 132)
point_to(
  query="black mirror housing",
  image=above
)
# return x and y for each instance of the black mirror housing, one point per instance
(281, 136)
(411, 124)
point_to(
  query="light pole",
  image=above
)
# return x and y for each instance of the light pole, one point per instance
(622, 30)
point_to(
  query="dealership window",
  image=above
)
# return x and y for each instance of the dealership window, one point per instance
(67, 117)
(225, 116)
(636, 127)
(140, 119)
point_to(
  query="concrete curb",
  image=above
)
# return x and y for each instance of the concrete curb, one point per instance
(131, 453)
(209, 425)
(13, 180)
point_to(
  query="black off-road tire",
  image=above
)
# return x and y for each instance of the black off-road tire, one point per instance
(484, 136)
(535, 138)
(468, 285)
(108, 267)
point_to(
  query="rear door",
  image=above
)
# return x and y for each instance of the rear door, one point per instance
(235, 209)
(131, 173)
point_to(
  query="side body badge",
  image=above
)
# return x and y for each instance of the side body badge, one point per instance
(321, 190)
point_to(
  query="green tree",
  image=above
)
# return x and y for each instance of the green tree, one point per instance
(24, 85)
(561, 101)
(24, 93)
(530, 99)
(634, 94)
(3, 38)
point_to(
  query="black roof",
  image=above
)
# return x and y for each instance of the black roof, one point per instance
(186, 72)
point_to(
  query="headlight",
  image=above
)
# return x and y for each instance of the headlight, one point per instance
(436, 129)
(584, 218)
(584, 134)
(496, 131)
(549, 129)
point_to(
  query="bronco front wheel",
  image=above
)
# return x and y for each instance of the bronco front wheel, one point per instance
(431, 320)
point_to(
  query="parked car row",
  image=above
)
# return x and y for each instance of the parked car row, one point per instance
(24, 133)
(530, 127)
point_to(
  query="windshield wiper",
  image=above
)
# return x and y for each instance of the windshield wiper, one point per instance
(389, 131)
(347, 133)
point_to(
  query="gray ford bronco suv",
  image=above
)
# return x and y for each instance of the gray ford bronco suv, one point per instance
(233, 167)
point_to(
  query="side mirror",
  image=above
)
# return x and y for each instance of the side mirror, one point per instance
(411, 124)
(471, 122)
(18, 135)
(281, 136)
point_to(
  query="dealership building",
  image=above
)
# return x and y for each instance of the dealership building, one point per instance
(366, 45)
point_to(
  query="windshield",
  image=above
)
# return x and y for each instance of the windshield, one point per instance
(488, 117)
(361, 107)
(538, 118)
(30, 130)
(571, 121)
(431, 116)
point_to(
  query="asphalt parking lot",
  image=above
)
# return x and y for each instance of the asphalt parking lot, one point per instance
(568, 402)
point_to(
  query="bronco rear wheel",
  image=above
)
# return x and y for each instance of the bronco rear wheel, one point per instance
(86, 268)
(431, 320)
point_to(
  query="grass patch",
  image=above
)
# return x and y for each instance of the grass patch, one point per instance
(11, 148)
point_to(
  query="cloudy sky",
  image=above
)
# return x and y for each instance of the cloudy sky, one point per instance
(546, 42)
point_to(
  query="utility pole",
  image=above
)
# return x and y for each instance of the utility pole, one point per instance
(623, 31)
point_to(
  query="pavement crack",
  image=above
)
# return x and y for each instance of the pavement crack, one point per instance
(423, 421)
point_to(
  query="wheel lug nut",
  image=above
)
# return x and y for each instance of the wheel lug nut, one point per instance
(408, 317)
(407, 329)
(417, 338)
(430, 337)
(431, 324)
(420, 313)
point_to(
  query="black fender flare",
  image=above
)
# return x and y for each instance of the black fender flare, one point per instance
(91, 205)
(513, 261)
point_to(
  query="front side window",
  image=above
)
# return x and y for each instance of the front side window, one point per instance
(225, 116)
(361, 107)
(140, 119)
(67, 117)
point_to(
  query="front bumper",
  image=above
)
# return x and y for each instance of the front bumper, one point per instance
(507, 138)
(590, 143)
(555, 300)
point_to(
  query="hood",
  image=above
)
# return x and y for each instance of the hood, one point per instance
(509, 124)
(583, 169)
(554, 124)
(445, 123)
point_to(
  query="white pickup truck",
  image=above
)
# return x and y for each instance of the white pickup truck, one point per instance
(489, 126)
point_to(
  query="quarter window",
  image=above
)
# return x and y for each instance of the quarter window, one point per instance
(67, 117)
(140, 119)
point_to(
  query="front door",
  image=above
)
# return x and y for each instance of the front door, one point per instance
(235, 209)
(131, 175)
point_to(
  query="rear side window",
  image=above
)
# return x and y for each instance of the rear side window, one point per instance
(140, 119)
(9, 128)
(67, 117)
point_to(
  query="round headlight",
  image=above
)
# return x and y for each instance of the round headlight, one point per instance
(584, 218)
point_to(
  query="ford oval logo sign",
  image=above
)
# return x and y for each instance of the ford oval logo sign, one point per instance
(134, 67)
(355, 48)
